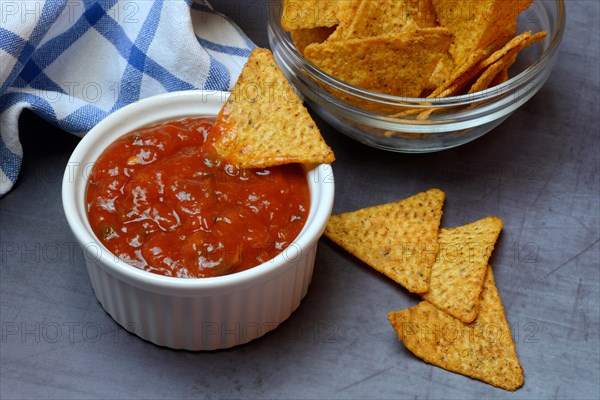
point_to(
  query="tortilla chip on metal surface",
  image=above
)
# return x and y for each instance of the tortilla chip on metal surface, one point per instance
(397, 239)
(458, 273)
(482, 350)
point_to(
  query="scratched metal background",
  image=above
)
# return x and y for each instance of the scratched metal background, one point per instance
(539, 171)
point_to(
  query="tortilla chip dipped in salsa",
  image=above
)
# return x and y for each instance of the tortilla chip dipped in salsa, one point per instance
(264, 123)
(161, 199)
(193, 198)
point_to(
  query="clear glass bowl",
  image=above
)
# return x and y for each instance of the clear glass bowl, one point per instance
(453, 120)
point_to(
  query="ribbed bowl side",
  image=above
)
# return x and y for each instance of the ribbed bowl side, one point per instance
(205, 322)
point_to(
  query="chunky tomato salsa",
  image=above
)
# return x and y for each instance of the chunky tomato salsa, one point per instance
(161, 199)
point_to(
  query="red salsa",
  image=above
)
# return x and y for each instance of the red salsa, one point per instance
(161, 199)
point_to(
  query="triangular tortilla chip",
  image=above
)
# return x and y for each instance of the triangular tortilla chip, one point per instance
(472, 68)
(482, 350)
(459, 270)
(264, 123)
(476, 25)
(397, 64)
(397, 239)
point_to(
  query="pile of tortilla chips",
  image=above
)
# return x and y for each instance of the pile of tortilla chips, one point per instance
(410, 48)
(460, 325)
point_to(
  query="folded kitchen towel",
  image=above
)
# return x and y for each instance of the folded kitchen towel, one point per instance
(74, 62)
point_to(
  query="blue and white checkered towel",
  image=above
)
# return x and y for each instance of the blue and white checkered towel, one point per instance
(73, 62)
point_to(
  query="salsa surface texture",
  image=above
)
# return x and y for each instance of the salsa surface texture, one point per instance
(163, 200)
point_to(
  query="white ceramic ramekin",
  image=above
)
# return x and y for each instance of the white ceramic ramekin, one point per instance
(192, 314)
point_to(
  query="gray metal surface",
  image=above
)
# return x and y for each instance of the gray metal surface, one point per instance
(539, 172)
